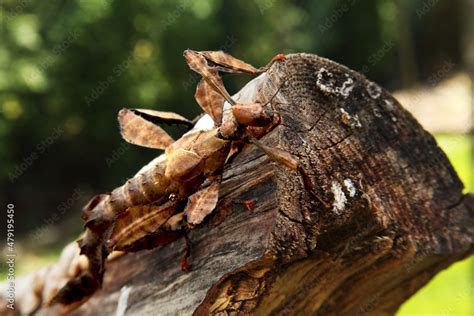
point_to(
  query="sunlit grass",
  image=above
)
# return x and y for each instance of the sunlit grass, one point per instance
(451, 292)
(458, 149)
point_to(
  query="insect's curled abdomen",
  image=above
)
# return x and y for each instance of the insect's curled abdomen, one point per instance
(155, 184)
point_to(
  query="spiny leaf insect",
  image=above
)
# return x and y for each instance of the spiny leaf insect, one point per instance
(167, 196)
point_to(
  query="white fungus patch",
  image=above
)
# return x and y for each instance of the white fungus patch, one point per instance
(374, 90)
(350, 187)
(350, 120)
(123, 301)
(347, 87)
(340, 199)
(325, 83)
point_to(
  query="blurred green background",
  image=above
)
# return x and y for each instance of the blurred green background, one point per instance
(68, 67)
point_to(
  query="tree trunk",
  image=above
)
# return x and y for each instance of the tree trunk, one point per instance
(385, 212)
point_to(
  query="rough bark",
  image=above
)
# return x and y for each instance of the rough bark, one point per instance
(386, 212)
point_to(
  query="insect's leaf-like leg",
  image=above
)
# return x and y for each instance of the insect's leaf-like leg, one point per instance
(198, 63)
(137, 130)
(136, 222)
(203, 202)
(162, 117)
(210, 101)
(225, 62)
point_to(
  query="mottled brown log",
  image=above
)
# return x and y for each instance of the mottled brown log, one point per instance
(395, 212)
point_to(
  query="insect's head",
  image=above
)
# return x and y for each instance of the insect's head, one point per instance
(252, 114)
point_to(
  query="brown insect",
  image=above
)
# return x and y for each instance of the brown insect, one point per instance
(166, 197)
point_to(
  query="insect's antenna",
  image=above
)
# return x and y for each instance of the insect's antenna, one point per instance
(274, 95)
(287, 159)
(277, 154)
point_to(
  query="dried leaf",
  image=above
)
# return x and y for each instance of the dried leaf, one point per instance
(137, 130)
(198, 63)
(210, 101)
(228, 63)
(202, 203)
(159, 117)
(137, 222)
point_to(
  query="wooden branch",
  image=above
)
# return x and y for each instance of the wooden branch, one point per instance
(386, 212)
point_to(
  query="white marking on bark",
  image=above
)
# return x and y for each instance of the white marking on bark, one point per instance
(347, 87)
(374, 90)
(322, 83)
(339, 198)
(123, 301)
(354, 120)
(350, 187)
(325, 83)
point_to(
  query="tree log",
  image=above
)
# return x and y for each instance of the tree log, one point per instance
(385, 212)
